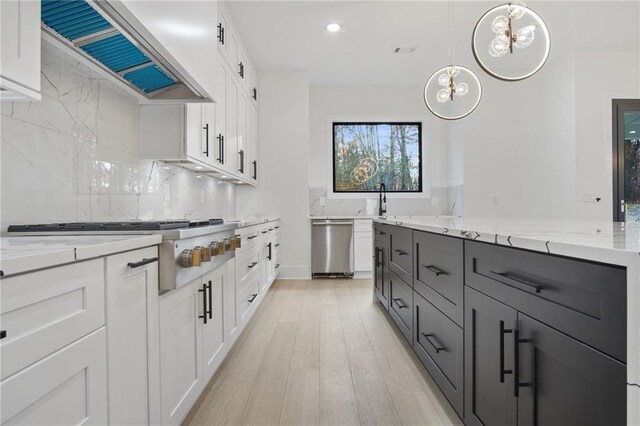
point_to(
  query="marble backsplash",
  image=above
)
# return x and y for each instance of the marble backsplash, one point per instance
(74, 156)
(449, 204)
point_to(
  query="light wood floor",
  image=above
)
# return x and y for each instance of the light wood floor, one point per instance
(321, 352)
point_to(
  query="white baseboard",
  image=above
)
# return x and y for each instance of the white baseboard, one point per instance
(359, 275)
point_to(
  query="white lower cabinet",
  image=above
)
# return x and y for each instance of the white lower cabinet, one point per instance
(362, 243)
(67, 387)
(132, 337)
(190, 350)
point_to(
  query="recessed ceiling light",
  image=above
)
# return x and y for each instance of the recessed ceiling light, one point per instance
(198, 176)
(240, 182)
(223, 176)
(333, 27)
(198, 167)
(167, 168)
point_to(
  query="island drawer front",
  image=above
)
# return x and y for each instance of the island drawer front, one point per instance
(439, 273)
(381, 233)
(439, 344)
(401, 252)
(583, 299)
(247, 297)
(250, 237)
(46, 310)
(401, 304)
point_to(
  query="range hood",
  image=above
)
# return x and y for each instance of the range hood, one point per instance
(97, 33)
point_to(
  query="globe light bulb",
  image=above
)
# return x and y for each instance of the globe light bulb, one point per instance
(443, 95)
(461, 89)
(517, 9)
(443, 80)
(500, 24)
(498, 48)
(524, 37)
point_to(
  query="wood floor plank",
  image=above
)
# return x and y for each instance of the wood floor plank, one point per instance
(321, 352)
(339, 413)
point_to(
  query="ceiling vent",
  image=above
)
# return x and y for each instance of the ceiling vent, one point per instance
(404, 50)
(93, 31)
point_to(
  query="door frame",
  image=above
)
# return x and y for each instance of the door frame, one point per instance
(618, 108)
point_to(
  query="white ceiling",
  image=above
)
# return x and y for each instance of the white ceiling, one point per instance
(290, 35)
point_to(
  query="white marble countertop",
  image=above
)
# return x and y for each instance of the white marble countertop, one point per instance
(570, 238)
(23, 254)
(244, 222)
(362, 216)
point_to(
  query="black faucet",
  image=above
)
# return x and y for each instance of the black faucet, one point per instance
(383, 199)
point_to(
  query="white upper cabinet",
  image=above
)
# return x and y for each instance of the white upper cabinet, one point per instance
(186, 30)
(20, 50)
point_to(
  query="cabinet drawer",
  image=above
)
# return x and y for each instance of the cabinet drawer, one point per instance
(46, 310)
(246, 263)
(582, 299)
(381, 233)
(439, 272)
(401, 304)
(362, 225)
(248, 296)
(401, 252)
(67, 387)
(439, 345)
(249, 236)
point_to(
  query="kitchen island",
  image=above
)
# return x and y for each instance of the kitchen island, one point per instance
(548, 305)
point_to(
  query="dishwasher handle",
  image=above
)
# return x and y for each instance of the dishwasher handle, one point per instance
(332, 223)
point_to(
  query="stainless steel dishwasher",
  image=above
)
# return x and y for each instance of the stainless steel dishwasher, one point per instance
(331, 248)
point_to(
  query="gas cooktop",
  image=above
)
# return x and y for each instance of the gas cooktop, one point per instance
(136, 225)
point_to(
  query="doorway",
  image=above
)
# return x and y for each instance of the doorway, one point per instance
(626, 160)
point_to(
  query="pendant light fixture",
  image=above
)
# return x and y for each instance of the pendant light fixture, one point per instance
(511, 42)
(453, 91)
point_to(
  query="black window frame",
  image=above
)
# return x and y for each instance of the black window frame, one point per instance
(389, 191)
(618, 108)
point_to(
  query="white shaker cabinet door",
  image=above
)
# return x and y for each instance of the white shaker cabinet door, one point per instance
(132, 337)
(214, 344)
(181, 350)
(362, 251)
(20, 49)
(68, 387)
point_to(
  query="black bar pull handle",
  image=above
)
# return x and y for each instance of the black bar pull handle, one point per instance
(143, 262)
(503, 331)
(255, 94)
(255, 169)
(400, 306)
(400, 252)
(277, 245)
(223, 41)
(203, 290)
(377, 251)
(210, 301)
(517, 384)
(220, 32)
(251, 237)
(241, 169)
(431, 338)
(435, 270)
(517, 282)
(253, 297)
(269, 246)
(241, 69)
(219, 137)
(222, 146)
(206, 131)
(3, 334)
(252, 264)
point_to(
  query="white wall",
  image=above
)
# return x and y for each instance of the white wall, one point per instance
(535, 147)
(74, 157)
(283, 167)
(442, 170)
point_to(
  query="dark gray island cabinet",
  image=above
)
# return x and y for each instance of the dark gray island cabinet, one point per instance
(511, 336)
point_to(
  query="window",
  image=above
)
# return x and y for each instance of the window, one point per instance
(367, 154)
